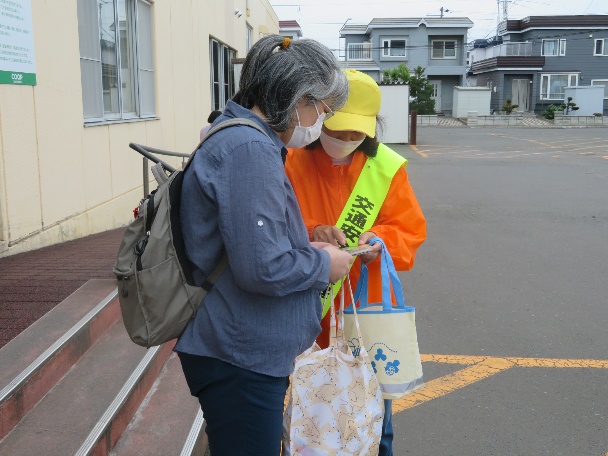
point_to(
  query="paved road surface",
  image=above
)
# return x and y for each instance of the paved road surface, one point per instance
(512, 287)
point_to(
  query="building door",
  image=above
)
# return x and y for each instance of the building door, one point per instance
(521, 94)
(436, 94)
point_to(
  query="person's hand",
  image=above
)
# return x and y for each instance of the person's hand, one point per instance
(320, 245)
(375, 249)
(330, 234)
(340, 263)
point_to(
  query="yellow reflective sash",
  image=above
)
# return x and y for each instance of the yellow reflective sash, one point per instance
(365, 201)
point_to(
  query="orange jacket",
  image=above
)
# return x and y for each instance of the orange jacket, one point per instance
(323, 188)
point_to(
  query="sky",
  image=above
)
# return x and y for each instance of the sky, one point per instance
(322, 19)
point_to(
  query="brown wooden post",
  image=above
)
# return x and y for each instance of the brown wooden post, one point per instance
(413, 123)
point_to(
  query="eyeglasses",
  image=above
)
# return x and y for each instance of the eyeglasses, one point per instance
(329, 114)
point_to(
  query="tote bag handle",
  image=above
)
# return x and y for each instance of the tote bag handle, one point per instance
(389, 278)
(336, 335)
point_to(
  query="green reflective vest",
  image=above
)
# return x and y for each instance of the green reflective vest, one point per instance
(368, 195)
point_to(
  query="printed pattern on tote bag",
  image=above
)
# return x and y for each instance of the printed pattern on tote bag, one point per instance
(335, 406)
(388, 363)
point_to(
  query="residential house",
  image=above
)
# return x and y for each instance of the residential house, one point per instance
(437, 44)
(533, 60)
(112, 72)
(290, 29)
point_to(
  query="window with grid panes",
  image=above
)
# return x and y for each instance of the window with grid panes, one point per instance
(116, 59)
(222, 77)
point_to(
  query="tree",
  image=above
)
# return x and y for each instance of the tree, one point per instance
(570, 106)
(509, 107)
(397, 75)
(421, 91)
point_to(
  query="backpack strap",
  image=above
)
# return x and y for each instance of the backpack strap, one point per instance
(225, 124)
(215, 274)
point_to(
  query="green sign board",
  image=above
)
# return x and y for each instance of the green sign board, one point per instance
(16, 43)
(9, 77)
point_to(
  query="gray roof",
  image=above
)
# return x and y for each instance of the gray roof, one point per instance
(354, 28)
(407, 22)
(360, 65)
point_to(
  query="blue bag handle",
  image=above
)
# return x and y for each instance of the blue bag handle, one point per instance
(389, 277)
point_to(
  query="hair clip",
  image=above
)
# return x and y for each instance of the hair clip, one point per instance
(285, 44)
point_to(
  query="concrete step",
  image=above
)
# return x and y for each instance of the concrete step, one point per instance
(33, 362)
(87, 410)
(169, 421)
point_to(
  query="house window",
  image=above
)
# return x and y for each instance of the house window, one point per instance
(222, 80)
(443, 49)
(249, 38)
(601, 47)
(552, 86)
(603, 82)
(553, 48)
(393, 47)
(116, 59)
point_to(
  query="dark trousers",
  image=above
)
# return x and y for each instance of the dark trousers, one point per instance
(243, 410)
(386, 441)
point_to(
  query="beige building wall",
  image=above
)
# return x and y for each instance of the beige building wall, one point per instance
(61, 179)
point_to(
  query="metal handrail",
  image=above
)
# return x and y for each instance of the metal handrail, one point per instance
(148, 154)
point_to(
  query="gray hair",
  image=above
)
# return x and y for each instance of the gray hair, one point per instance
(276, 79)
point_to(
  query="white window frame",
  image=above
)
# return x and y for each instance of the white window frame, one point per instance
(248, 37)
(225, 79)
(141, 48)
(444, 57)
(603, 82)
(386, 51)
(604, 51)
(561, 47)
(572, 81)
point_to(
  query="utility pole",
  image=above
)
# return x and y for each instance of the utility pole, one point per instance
(442, 10)
(503, 12)
(339, 33)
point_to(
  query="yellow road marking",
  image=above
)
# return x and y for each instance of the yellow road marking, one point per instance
(480, 367)
(550, 146)
(445, 152)
(449, 383)
(499, 156)
(560, 363)
(520, 362)
(588, 147)
(419, 152)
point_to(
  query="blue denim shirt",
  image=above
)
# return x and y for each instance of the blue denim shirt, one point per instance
(265, 309)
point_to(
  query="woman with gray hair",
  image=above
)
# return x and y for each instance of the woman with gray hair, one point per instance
(264, 310)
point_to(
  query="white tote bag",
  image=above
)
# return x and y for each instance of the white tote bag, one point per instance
(389, 332)
(335, 406)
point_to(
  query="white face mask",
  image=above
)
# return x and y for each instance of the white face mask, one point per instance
(337, 148)
(303, 136)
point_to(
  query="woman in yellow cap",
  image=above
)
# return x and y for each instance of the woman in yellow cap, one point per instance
(324, 175)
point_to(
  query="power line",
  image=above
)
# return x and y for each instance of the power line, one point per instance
(535, 41)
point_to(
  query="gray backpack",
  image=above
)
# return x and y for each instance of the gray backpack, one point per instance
(155, 285)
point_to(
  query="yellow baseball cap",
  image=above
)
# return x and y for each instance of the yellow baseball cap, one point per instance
(362, 106)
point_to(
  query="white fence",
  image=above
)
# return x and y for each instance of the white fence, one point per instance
(502, 50)
(394, 110)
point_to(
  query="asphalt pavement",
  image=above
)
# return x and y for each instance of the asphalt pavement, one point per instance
(511, 293)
